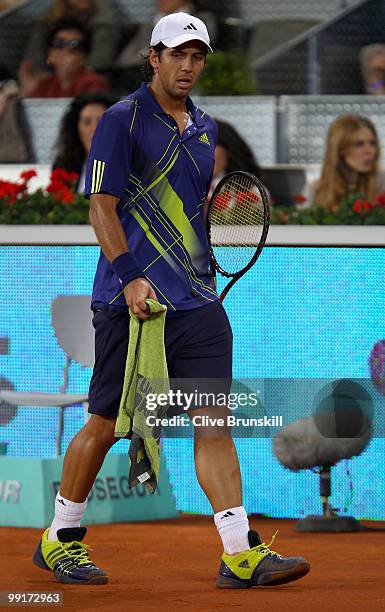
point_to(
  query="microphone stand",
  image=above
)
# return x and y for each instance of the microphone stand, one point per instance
(329, 521)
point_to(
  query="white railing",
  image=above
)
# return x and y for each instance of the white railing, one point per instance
(279, 235)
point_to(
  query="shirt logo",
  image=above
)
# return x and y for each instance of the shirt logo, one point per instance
(190, 26)
(97, 175)
(204, 138)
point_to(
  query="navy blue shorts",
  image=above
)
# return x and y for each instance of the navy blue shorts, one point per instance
(198, 346)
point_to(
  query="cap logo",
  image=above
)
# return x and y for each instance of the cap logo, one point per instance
(177, 28)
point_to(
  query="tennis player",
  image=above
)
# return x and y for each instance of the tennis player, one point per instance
(148, 176)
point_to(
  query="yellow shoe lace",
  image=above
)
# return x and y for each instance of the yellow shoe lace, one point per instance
(78, 551)
(265, 548)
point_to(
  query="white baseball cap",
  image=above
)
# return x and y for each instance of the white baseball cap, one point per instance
(177, 28)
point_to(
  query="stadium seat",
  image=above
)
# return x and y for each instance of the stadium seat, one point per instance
(305, 120)
(71, 320)
(254, 117)
(43, 118)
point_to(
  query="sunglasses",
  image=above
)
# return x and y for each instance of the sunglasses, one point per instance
(62, 43)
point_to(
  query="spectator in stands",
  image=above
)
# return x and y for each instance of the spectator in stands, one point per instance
(3, 5)
(132, 55)
(14, 141)
(96, 15)
(232, 153)
(7, 4)
(68, 45)
(76, 132)
(350, 164)
(372, 59)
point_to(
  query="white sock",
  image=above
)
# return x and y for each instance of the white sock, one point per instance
(67, 514)
(233, 527)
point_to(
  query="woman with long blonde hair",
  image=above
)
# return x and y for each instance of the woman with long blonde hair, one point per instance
(350, 163)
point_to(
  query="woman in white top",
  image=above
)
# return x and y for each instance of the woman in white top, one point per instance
(350, 164)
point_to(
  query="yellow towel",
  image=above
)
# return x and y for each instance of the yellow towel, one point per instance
(146, 372)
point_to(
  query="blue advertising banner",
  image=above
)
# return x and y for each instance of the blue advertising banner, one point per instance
(300, 313)
(28, 487)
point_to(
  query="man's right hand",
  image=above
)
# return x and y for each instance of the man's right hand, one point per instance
(136, 294)
(29, 78)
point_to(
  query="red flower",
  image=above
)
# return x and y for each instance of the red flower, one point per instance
(62, 175)
(299, 198)
(58, 174)
(73, 177)
(361, 205)
(380, 199)
(67, 196)
(222, 200)
(21, 187)
(9, 190)
(56, 186)
(61, 191)
(357, 206)
(245, 198)
(27, 175)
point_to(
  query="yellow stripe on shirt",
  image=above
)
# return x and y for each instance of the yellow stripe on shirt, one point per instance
(93, 176)
(97, 175)
(103, 165)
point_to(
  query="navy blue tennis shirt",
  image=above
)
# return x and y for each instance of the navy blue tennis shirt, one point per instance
(161, 179)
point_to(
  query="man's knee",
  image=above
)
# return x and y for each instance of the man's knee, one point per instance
(103, 427)
(211, 423)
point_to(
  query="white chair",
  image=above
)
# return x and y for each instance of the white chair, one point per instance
(71, 320)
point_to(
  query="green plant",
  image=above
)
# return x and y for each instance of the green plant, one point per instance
(353, 210)
(227, 74)
(57, 204)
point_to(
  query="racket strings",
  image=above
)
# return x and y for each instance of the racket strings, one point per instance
(237, 219)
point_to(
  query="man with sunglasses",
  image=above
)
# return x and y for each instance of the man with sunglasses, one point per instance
(68, 46)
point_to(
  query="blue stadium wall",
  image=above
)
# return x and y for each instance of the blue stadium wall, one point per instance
(301, 313)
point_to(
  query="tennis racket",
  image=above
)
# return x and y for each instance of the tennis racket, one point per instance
(237, 224)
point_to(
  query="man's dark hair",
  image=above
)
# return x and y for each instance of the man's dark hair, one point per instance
(146, 68)
(68, 23)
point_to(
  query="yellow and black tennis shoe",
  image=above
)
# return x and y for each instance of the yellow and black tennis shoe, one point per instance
(259, 566)
(67, 557)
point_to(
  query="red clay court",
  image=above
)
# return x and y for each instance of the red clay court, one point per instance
(172, 565)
